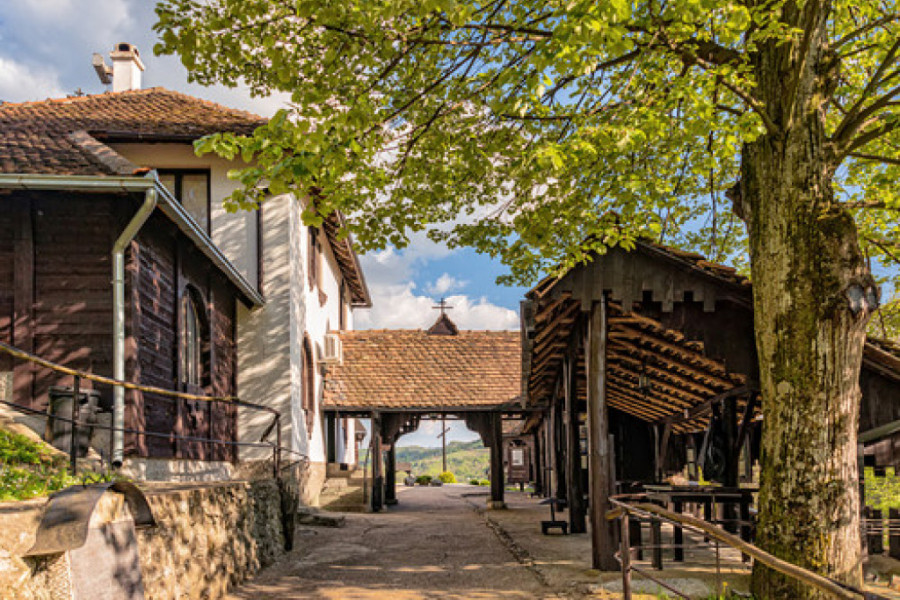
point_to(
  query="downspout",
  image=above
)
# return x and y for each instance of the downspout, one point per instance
(118, 265)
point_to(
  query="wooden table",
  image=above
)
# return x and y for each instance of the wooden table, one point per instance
(676, 496)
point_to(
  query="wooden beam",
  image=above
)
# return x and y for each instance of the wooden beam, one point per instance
(660, 370)
(683, 397)
(600, 452)
(682, 360)
(551, 328)
(671, 398)
(543, 312)
(648, 412)
(706, 406)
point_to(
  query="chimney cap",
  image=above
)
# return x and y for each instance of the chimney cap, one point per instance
(126, 51)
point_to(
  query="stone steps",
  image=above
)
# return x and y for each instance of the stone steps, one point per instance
(344, 493)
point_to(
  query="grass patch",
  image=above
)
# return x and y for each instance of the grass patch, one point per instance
(28, 469)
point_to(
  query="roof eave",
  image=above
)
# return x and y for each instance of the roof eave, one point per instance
(169, 206)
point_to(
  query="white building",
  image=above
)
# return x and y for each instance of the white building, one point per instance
(309, 280)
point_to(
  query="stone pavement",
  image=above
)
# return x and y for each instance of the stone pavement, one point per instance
(433, 544)
(440, 542)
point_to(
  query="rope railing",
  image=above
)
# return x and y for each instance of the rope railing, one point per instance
(73, 419)
(622, 512)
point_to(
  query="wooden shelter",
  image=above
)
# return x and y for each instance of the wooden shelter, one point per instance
(643, 362)
(398, 377)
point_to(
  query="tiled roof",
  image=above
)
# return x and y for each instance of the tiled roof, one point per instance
(64, 136)
(32, 128)
(34, 139)
(39, 152)
(410, 369)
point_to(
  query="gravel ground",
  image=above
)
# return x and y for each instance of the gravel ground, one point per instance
(436, 543)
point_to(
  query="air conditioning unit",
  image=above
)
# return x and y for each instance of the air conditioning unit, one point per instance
(332, 353)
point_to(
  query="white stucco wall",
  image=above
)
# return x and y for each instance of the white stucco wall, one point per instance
(322, 318)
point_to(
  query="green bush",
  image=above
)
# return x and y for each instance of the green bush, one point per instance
(28, 470)
(423, 479)
(447, 477)
(474, 482)
(484, 482)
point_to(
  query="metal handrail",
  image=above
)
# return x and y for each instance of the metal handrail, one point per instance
(78, 375)
(622, 511)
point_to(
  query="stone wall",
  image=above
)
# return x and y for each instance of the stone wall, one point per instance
(209, 538)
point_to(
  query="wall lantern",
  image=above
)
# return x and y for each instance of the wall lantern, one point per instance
(644, 383)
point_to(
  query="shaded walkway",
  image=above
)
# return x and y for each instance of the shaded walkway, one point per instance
(434, 544)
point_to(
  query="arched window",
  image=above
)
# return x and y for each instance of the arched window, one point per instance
(309, 385)
(192, 341)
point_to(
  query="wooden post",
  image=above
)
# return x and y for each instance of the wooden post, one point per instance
(377, 477)
(559, 453)
(538, 465)
(575, 493)
(625, 551)
(874, 530)
(656, 552)
(730, 420)
(894, 534)
(635, 537)
(390, 480)
(678, 535)
(602, 556)
(496, 421)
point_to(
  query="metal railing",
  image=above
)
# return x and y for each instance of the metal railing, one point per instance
(74, 421)
(637, 507)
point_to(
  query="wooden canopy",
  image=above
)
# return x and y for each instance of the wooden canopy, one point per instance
(654, 371)
(676, 321)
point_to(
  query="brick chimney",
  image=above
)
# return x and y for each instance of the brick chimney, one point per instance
(127, 67)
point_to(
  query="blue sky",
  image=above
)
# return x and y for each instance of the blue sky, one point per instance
(45, 51)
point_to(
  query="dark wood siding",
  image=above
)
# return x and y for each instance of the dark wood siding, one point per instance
(157, 343)
(224, 377)
(73, 297)
(56, 300)
(7, 281)
(169, 265)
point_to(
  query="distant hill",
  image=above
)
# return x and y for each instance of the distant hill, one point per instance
(466, 460)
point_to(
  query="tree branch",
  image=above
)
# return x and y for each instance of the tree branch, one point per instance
(866, 137)
(853, 122)
(875, 158)
(865, 29)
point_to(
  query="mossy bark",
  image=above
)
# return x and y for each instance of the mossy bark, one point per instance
(812, 296)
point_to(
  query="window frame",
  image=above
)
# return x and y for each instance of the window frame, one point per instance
(312, 262)
(194, 364)
(308, 386)
(179, 176)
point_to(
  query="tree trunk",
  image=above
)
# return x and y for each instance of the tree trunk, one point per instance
(812, 297)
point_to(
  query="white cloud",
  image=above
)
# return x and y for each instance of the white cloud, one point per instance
(398, 307)
(444, 284)
(51, 42)
(19, 83)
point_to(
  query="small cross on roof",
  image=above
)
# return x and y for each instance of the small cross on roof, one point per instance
(443, 306)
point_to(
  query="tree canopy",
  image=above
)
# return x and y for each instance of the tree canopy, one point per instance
(536, 131)
(540, 131)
